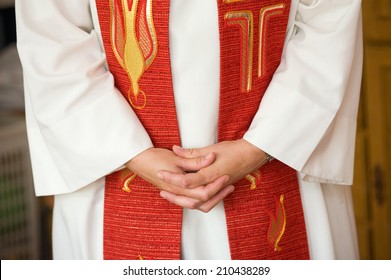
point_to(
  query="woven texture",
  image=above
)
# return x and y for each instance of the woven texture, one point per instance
(248, 210)
(141, 225)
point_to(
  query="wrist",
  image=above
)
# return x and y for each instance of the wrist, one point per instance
(263, 156)
(133, 162)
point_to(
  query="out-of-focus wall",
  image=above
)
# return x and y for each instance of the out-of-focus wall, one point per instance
(25, 220)
(7, 22)
(7, 3)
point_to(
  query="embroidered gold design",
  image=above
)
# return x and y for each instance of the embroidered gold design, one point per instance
(126, 177)
(232, 1)
(244, 19)
(134, 42)
(253, 178)
(265, 14)
(140, 258)
(149, 34)
(277, 225)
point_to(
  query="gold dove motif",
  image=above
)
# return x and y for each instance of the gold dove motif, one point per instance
(134, 42)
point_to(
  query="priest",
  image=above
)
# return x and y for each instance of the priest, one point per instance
(194, 129)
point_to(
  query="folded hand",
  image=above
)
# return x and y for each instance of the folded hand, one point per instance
(233, 161)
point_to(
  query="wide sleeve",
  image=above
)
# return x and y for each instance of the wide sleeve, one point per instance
(307, 118)
(80, 127)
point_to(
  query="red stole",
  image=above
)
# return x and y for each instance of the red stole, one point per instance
(264, 214)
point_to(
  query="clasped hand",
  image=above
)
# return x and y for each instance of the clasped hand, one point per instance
(197, 178)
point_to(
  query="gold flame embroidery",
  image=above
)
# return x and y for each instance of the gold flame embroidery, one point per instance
(126, 177)
(134, 42)
(277, 224)
(253, 178)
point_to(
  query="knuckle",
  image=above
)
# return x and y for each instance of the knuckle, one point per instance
(205, 177)
(166, 188)
(191, 152)
(185, 182)
(200, 160)
(204, 197)
(193, 205)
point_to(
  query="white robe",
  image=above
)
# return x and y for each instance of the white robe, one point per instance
(80, 127)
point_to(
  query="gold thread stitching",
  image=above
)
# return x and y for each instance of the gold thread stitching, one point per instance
(266, 13)
(127, 176)
(127, 182)
(244, 19)
(152, 32)
(133, 55)
(115, 35)
(253, 178)
(276, 246)
(277, 225)
(232, 1)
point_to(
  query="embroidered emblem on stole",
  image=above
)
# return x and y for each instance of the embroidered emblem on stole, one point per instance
(277, 224)
(134, 42)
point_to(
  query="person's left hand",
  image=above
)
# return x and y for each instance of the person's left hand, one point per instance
(233, 158)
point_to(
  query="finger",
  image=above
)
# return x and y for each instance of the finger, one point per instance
(177, 190)
(182, 201)
(206, 193)
(188, 153)
(196, 193)
(187, 180)
(210, 204)
(201, 193)
(191, 203)
(197, 163)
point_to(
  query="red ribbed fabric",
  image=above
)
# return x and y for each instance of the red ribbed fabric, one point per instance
(141, 225)
(247, 211)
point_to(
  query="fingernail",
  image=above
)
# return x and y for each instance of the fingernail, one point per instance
(160, 176)
(208, 156)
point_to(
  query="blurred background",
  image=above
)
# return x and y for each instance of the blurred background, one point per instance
(25, 220)
(372, 182)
